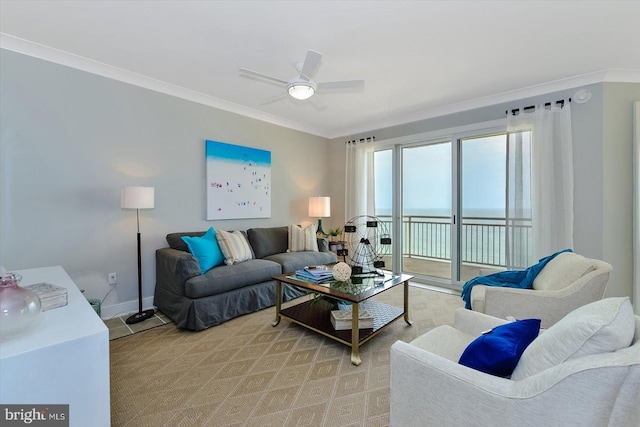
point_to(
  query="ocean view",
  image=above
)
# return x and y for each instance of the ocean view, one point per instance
(482, 241)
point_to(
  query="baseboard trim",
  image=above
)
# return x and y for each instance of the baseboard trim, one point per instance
(114, 310)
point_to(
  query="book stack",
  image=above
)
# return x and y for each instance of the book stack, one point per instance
(51, 296)
(341, 319)
(319, 274)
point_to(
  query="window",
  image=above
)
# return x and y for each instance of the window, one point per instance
(440, 180)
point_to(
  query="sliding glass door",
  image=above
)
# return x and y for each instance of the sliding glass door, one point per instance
(383, 193)
(426, 209)
(483, 211)
(452, 218)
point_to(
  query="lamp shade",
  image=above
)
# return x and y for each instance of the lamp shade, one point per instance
(137, 197)
(319, 207)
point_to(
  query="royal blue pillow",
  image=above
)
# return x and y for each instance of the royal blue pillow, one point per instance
(498, 351)
(205, 249)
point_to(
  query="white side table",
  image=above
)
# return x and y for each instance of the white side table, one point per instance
(64, 360)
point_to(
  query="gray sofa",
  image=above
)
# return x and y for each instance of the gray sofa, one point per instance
(197, 301)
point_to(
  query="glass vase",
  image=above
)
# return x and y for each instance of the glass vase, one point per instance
(19, 307)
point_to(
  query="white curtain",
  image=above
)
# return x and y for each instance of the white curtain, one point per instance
(540, 169)
(360, 185)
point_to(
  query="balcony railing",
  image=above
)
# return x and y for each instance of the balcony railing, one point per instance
(483, 240)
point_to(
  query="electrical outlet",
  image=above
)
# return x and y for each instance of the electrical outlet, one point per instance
(112, 279)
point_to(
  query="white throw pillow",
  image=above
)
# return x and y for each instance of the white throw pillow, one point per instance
(600, 327)
(302, 239)
(562, 271)
(234, 247)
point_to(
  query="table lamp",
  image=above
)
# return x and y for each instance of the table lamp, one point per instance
(320, 207)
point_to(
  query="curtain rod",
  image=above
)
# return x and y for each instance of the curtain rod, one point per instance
(366, 139)
(548, 104)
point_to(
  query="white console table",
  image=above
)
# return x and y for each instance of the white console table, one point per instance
(64, 360)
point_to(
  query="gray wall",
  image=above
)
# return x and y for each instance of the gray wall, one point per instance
(617, 183)
(70, 140)
(602, 169)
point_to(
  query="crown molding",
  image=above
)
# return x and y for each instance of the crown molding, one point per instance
(50, 54)
(602, 76)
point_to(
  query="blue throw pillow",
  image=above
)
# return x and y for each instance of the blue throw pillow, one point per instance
(205, 249)
(498, 351)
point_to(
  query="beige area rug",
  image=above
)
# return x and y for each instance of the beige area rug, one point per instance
(247, 373)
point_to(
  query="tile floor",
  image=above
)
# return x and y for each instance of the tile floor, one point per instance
(118, 328)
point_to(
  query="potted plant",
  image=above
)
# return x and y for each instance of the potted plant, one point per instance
(333, 234)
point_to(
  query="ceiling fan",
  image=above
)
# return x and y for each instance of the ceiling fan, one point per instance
(302, 86)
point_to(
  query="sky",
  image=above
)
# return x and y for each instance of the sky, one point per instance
(427, 178)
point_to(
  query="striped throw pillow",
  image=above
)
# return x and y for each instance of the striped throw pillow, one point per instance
(302, 239)
(234, 246)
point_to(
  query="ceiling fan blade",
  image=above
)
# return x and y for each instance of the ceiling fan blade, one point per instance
(311, 64)
(274, 98)
(318, 103)
(263, 76)
(341, 85)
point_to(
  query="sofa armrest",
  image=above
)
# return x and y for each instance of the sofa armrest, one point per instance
(427, 389)
(174, 268)
(475, 323)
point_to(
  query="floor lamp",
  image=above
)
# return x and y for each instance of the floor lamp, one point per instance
(320, 207)
(138, 198)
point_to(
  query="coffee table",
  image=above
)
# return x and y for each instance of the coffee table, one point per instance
(316, 315)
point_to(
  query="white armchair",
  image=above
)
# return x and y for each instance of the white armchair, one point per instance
(567, 282)
(429, 387)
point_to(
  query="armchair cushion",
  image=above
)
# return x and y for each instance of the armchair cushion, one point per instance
(450, 342)
(562, 271)
(602, 326)
(498, 351)
(445, 341)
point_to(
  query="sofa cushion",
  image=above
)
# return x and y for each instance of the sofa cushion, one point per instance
(175, 239)
(292, 261)
(498, 351)
(205, 249)
(234, 246)
(228, 277)
(268, 241)
(602, 326)
(562, 271)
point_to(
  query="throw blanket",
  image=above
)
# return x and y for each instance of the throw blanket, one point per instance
(522, 279)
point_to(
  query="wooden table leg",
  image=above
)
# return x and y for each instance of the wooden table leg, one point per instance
(278, 302)
(355, 335)
(406, 303)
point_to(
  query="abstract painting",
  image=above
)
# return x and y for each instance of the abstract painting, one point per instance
(238, 181)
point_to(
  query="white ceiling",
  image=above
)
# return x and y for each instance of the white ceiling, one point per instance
(418, 58)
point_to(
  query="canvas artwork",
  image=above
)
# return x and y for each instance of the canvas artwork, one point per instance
(238, 181)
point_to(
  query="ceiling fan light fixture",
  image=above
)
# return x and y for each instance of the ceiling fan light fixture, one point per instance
(301, 90)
